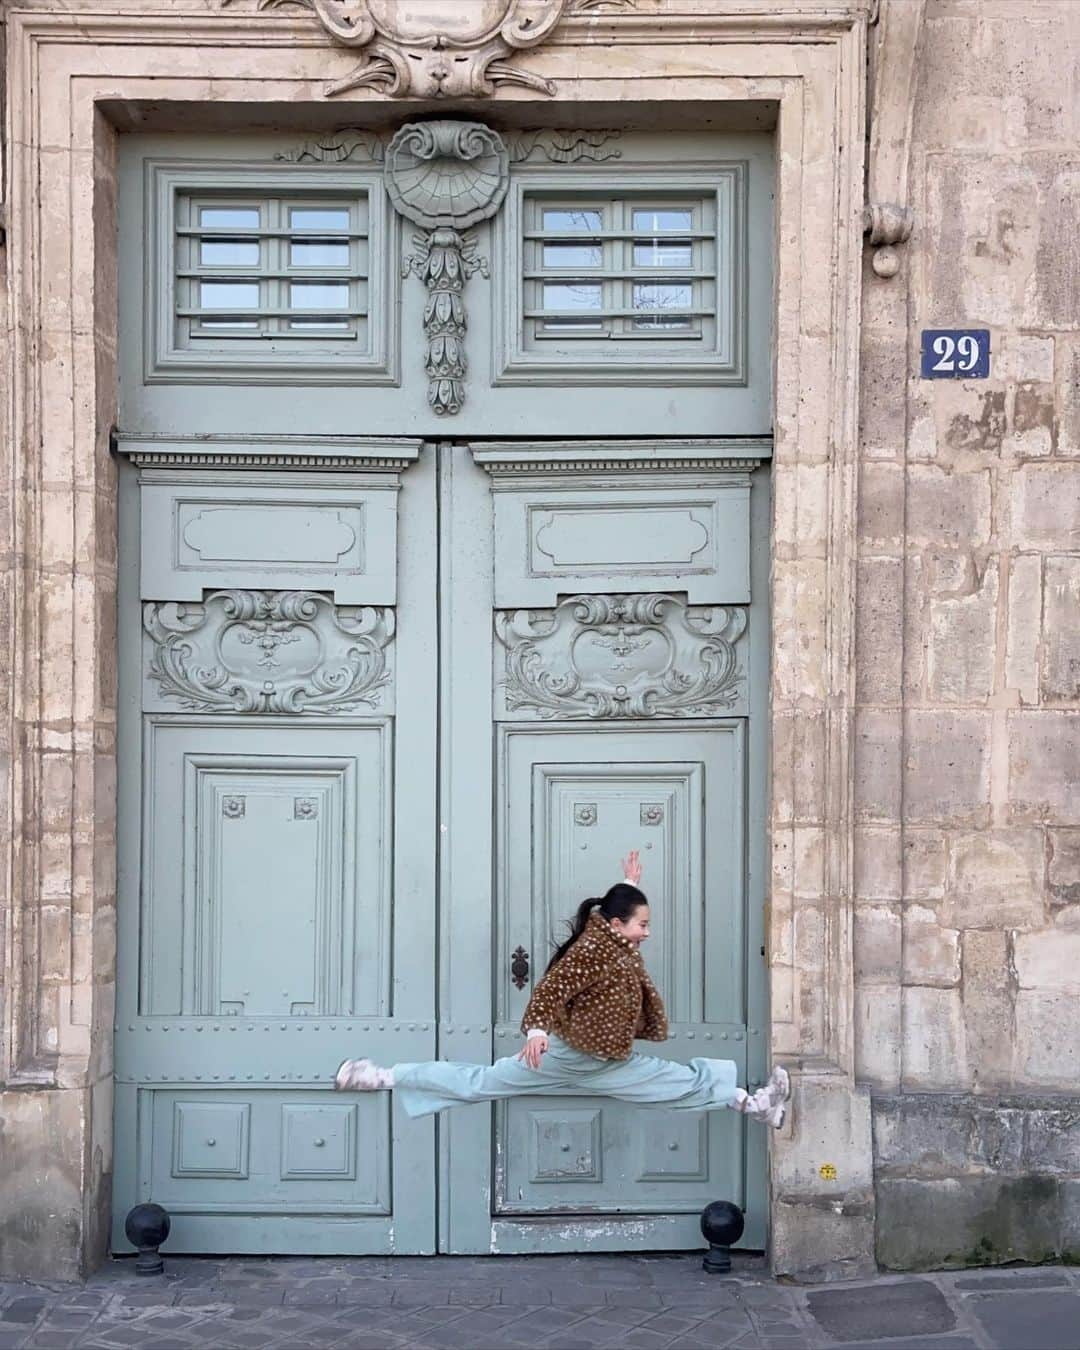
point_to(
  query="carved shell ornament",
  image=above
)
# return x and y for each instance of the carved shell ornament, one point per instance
(439, 48)
(447, 173)
(446, 176)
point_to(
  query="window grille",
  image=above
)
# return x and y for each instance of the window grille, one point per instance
(603, 268)
(284, 270)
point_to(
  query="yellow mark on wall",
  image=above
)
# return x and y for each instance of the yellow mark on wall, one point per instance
(827, 1171)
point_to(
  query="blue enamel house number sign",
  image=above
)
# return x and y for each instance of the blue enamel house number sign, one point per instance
(955, 353)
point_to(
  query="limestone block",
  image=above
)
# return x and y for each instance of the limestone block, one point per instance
(931, 953)
(877, 764)
(877, 1036)
(962, 647)
(877, 942)
(969, 418)
(934, 1051)
(809, 758)
(1070, 1221)
(1046, 507)
(1022, 357)
(982, 236)
(925, 864)
(815, 1243)
(879, 630)
(1061, 631)
(969, 1221)
(1044, 766)
(1024, 626)
(988, 1008)
(1068, 398)
(834, 1126)
(1063, 872)
(1048, 960)
(996, 879)
(949, 509)
(914, 671)
(947, 766)
(878, 866)
(41, 1183)
(881, 504)
(882, 411)
(1054, 301)
(1052, 1141)
(1034, 420)
(1047, 1040)
(939, 1135)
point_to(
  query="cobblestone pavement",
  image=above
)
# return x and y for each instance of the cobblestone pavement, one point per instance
(559, 1303)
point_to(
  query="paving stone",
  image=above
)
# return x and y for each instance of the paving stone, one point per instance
(1013, 1279)
(1044, 1320)
(924, 1343)
(23, 1310)
(859, 1314)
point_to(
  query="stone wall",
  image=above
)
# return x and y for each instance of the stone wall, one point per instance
(967, 930)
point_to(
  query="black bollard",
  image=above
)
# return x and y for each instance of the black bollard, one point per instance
(147, 1227)
(722, 1226)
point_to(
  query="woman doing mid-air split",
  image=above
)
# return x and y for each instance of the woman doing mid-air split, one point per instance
(593, 1001)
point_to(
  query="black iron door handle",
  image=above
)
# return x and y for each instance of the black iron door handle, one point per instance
(519, 968)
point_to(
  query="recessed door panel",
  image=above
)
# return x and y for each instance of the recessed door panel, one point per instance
(585, 797)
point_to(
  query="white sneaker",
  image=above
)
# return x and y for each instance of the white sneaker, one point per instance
(761, 1107)
(769, 1103)
(779, 1086)
(360, 1075)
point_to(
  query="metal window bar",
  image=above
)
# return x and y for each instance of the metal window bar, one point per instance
(275, 274)
(608, 226)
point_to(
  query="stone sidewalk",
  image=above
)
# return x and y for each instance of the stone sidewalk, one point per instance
(559, 1303)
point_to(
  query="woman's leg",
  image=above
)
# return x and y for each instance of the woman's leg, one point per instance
(701, 1085)
(433, 1085)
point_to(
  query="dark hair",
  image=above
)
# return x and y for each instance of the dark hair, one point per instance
(621, 901)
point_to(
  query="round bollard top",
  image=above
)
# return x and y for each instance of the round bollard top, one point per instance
(147, 1226)
(722, 1223)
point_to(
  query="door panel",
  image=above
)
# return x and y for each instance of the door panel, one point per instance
(585, 797)
(261, 858)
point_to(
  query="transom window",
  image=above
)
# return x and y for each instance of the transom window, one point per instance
(283, 269)
(622, 267)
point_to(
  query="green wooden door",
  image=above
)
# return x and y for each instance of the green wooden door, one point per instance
(604, 670)
(390, 707)
(277, 844)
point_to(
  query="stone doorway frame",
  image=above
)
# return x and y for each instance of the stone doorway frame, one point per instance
(73, 79)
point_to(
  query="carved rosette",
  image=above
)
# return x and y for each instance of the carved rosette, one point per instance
(268, 652)
(621, 656)
(446, 176)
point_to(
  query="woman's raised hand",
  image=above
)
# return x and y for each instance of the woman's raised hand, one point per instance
(533, 1051)
(631, 867)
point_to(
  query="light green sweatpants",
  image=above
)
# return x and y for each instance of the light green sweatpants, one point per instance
(701, 1085)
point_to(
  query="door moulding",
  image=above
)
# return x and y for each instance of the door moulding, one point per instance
(805, 59)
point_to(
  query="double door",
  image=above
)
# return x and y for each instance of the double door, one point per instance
(389, 710)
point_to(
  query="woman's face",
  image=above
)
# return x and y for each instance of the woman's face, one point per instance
(636, 928)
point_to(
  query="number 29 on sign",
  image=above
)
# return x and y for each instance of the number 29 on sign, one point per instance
(955, 353)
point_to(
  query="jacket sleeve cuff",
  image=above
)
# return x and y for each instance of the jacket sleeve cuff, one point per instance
(535, 1031)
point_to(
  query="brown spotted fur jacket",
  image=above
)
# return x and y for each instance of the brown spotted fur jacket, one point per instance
(599, 997)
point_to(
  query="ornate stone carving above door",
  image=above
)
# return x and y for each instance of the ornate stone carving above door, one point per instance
(428, 49)
(446, 176)
(268, 651)
(616, 656)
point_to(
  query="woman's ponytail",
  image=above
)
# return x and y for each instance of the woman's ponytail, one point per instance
(620, 902)
(577, 927)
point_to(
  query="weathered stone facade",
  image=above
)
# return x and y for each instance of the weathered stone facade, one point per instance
(967, 927)
(925, 803)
